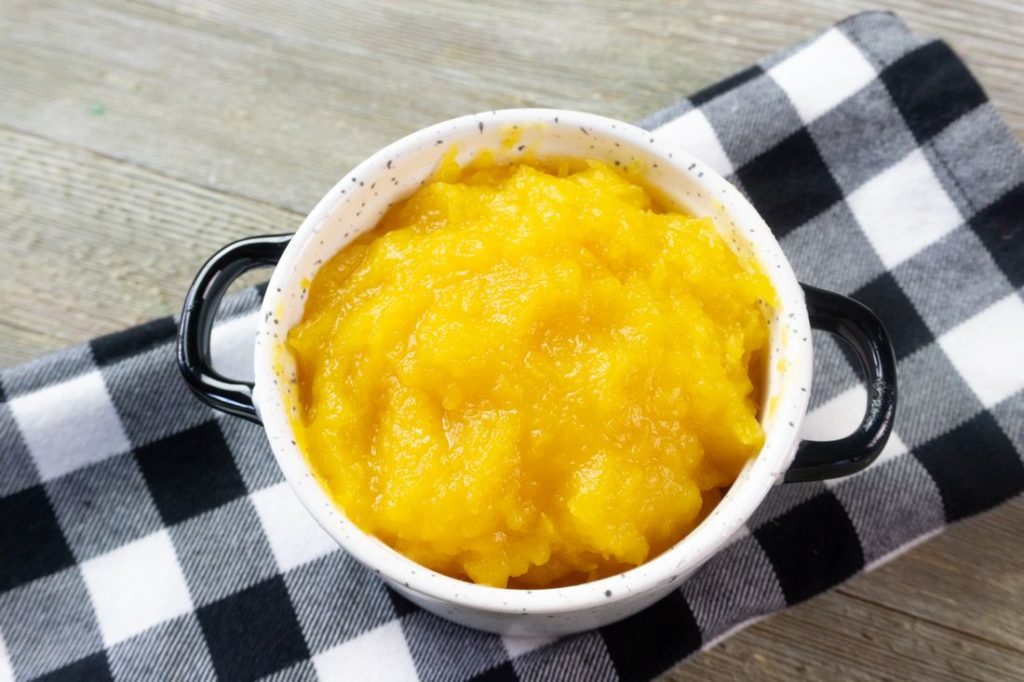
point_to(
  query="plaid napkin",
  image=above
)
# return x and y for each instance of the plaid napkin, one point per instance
(144, 536)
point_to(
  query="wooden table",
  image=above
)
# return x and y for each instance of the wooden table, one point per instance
(136, 137)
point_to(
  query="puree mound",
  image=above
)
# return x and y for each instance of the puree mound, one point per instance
(531, 377)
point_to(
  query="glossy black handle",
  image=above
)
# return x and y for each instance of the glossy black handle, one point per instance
(209, 286)
(861, 328)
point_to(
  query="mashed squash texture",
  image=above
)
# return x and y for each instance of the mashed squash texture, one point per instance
(531, 376)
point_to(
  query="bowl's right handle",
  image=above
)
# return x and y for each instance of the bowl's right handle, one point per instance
(861, 328)
(207, 290)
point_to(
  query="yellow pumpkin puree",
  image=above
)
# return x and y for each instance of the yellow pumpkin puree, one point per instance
(531, 376)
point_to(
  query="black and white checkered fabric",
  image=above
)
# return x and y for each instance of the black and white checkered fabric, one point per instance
(143, 536)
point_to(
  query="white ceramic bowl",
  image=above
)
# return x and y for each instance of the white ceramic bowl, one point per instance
(354, 206)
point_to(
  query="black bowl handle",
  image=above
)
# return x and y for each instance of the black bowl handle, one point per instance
(227, 395)
(861, 328)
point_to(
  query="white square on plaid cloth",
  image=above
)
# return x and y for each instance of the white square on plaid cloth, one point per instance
(894, 447)
(838, 418)
(136, 586)
(904, 209)
(692, 132)
(517, 646)
(988, 350)
(84, 430)
(6, 669)
(294, 537)
(380, 654)
(823, 74)
(231, 347)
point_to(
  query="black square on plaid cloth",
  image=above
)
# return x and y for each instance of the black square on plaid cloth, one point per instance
(790, 184)
(644, 645)
(505, 672)
(111, 348)
(907, 330)
(31, 542)
(401, 605)
(975, 467)
(91, 668)
(932, 88)
(190, 472)
(1000, 227)
(254, 632)
(813, 546)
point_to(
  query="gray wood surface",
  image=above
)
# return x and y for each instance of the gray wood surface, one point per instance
(136, 137)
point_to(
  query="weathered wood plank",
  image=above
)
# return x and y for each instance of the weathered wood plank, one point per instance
(949, 609)
(276, 100)
(971, 579)
(91, 244)
(841, 638)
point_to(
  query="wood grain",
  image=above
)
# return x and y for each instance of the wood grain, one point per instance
(274, 101)
(92, 244)
(136, 137)
(949, 609)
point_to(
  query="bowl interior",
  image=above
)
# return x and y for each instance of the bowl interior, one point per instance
(359, 200)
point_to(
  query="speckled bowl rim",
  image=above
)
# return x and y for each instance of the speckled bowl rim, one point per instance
(724, 524)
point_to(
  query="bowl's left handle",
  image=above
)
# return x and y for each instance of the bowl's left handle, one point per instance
(204, 296)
